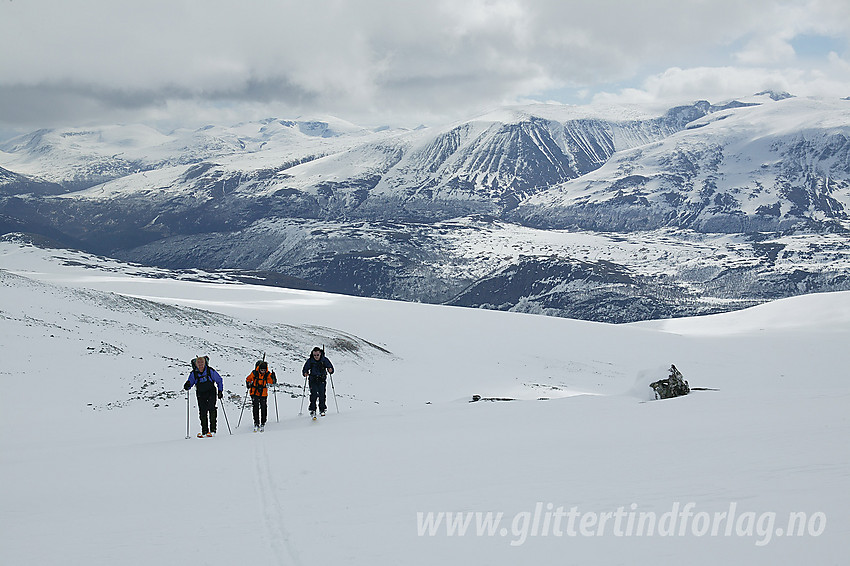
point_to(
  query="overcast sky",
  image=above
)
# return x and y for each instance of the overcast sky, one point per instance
(375, 62)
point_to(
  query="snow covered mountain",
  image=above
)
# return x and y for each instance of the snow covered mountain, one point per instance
(769, 167)
(582, 463)
(79, 158)
(735, 204)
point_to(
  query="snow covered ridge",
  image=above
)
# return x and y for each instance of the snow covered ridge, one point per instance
(738, 167)
(761, 168)
(581, 464)
(760, 185)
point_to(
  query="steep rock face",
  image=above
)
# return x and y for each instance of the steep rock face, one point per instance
(507, 161)
(478, 167)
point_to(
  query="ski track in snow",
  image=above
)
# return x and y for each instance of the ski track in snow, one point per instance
(279, 538)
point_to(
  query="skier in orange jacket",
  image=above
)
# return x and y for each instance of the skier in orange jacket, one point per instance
(258, 382)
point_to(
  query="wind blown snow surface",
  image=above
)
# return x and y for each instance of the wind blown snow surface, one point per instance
(581, 467)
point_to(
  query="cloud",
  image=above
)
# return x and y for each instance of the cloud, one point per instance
(720, 84)
(382, 60)
(766, 51)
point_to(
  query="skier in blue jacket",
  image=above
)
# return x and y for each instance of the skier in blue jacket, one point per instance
(317, 367)
(205, 379)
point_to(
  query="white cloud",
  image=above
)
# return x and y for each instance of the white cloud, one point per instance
(766, 51)
(384, 60)
(720, 84)
(675, 86)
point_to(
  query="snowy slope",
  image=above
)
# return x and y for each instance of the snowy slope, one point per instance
(97, 456)
(83, 157)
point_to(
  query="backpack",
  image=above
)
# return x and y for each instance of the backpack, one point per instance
(203, 381)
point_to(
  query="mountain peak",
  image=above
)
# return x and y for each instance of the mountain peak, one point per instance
(774, 95)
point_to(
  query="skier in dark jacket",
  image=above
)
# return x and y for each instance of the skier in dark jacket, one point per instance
(205, 379)
(317, 367)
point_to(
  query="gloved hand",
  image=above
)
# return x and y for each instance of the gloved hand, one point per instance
(274, 379)
(187, 386)
(220, 394)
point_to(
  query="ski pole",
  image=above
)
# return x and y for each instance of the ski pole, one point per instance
(187, 413)
(276, 416)
(334, 392)
(303, 391)
(244, 401)
(225, 417)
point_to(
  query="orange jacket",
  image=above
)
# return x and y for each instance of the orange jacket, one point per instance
(258, 383)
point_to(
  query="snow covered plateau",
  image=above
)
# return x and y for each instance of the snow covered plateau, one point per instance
(565, 459)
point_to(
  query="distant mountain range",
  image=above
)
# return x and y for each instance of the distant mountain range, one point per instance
(611, 214)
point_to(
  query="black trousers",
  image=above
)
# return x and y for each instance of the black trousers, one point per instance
(261, 409)
(318, 390)
(207, 410)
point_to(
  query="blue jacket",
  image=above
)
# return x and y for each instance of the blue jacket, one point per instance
(317, 368)
(205, 380)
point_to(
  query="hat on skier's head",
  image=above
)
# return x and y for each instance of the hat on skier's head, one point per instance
(317, 349)
(262, 364)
